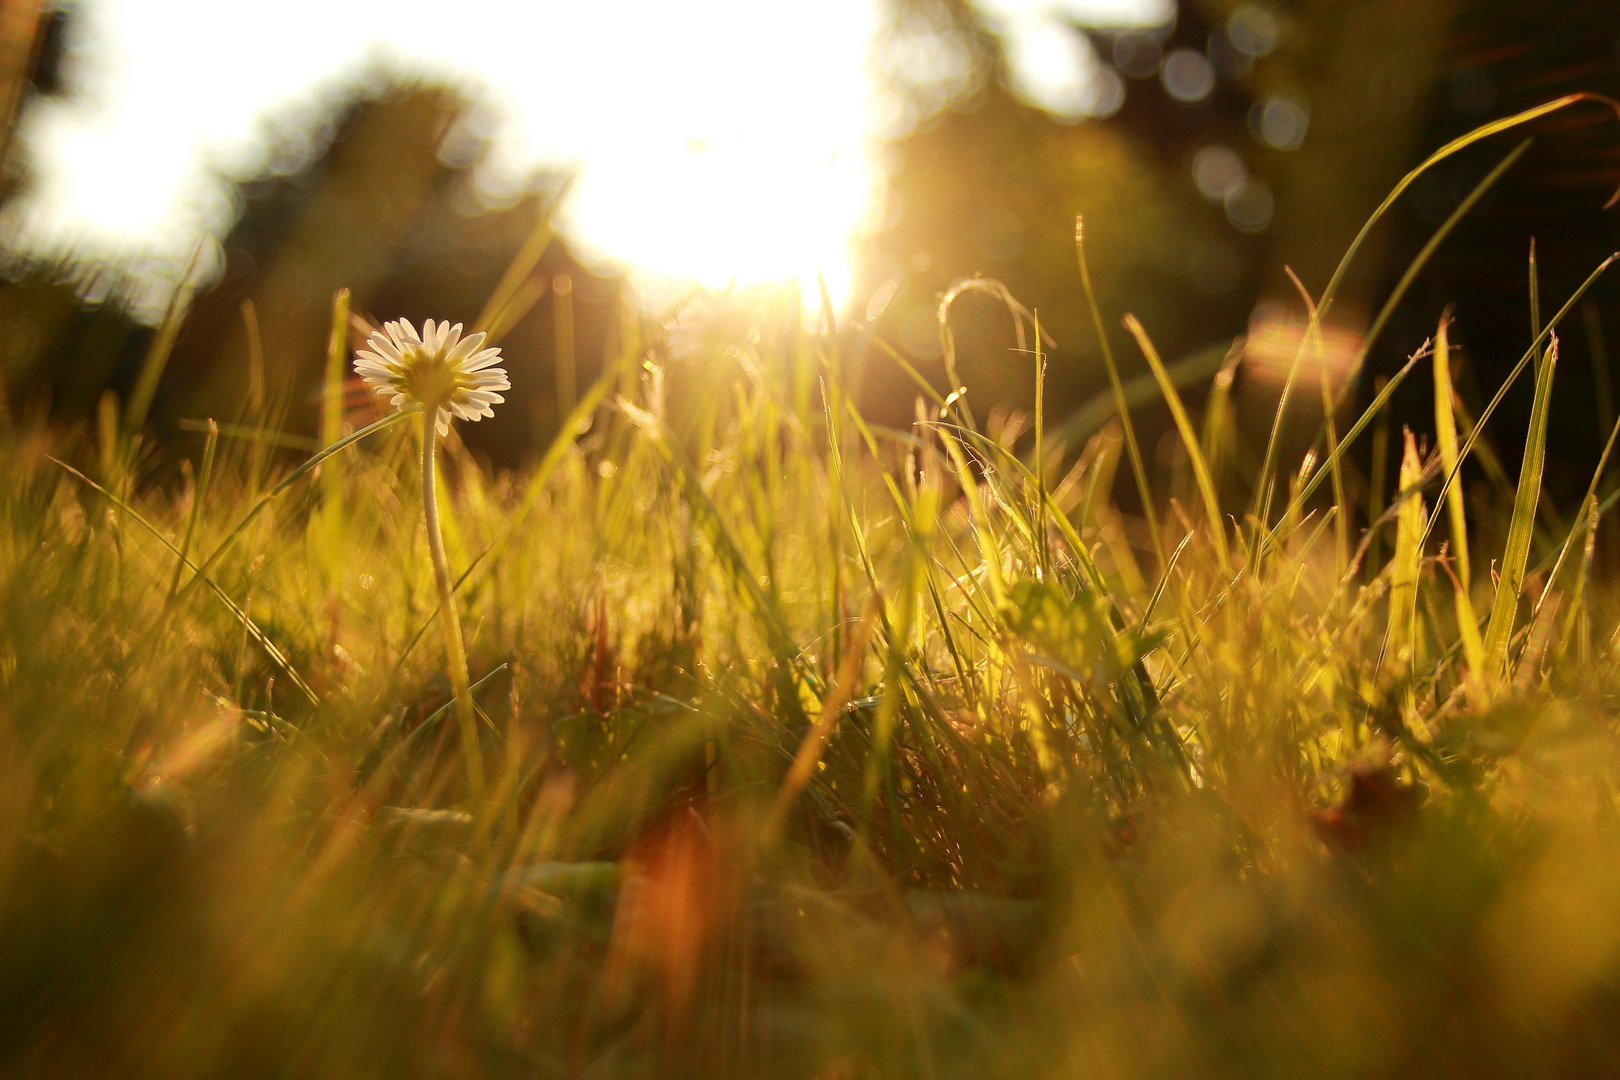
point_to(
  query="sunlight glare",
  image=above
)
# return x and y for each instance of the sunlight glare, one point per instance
(717, 141)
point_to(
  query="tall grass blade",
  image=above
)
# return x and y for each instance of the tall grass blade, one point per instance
(1535, 293)
(1043, 551)
(528, 294)
(256, 415)
(1220, 424)
(337, 366)
(1260, 507)
(157, 353)
(562, 309)
(1446, 439)
(199, 495)
(1445, 427)
(1405, 567)
(522, 265)
(107, 436)
(1395, 297)
(1189, 438)
(1512, 377)
(1121, 404)
(276, 656)
(1377, 470)
(1462, 142)
(1589, 505)
(1415, 267)
(1341, 521)
(1517, 549)
(291, 478)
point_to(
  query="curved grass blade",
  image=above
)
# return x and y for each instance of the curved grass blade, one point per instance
(1462, 142)
(292, 478)
(1590, 511)
(252, 628)
(1518, 369)
(1384, 314)
(1341, 521)
(442, 711)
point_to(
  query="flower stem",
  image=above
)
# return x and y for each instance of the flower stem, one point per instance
(455, 650)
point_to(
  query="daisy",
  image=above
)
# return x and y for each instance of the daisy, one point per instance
(437, 369)
(447, 377)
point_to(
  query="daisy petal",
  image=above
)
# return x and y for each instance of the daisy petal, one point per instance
(479, 361)
(457, 357)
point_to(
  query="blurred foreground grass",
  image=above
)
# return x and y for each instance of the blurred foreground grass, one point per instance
(816, 749)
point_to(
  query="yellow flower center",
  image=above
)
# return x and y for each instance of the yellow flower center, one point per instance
(431, 379)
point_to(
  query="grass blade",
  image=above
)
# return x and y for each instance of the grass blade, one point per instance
(1517, 550)
(1535, 294)
(337, 365)
(252, 628)
(1462, 142)
(1445, 427)
(1313, 333)
(1121, 404)
(521, 266)
(1512, 377)
(292, 478)
(1388, 310)
(1189, 438)
(157, 353)
(1589, 506)
(1575, 623)
(199, 495)
(1404, 568)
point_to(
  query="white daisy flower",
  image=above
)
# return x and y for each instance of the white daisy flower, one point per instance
(436, 369)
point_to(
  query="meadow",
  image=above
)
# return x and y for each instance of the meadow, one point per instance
(807, 747)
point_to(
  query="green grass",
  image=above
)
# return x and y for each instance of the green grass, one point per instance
(814, 749)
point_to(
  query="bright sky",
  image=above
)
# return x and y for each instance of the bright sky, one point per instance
(715, 139)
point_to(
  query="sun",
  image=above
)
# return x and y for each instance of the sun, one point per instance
(716, 141)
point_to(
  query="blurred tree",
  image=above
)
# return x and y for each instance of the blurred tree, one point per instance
(380, 197)
(990, 184)
(63, 334)
(1235, 140)
(389, 211)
